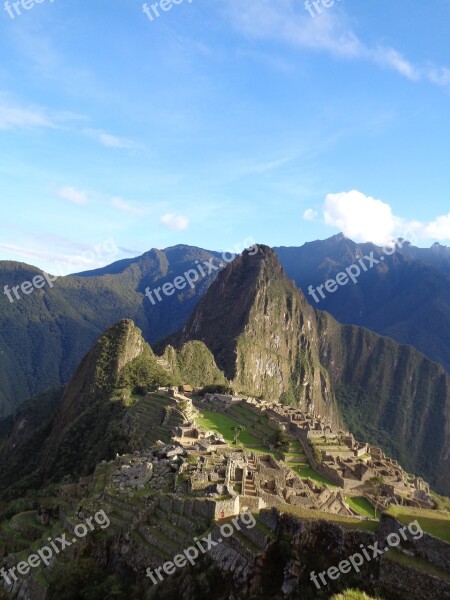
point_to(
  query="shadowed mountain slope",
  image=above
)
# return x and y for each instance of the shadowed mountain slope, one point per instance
(406, 296)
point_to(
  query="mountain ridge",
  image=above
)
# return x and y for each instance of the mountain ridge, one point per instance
(337, 371)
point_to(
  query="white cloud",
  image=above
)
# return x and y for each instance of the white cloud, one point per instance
(63, 256)
(287, 21)
(309, 214)
(389, 57)
(71, 194)
(282, 20)
(439, 229)
(359, 217)
(127, 207)
(177, 222)
(17, 115)
(363, 218)
(14, 116)
(438, 75)
(108, 140)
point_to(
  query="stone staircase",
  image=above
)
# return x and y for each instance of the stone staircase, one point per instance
(249, 486)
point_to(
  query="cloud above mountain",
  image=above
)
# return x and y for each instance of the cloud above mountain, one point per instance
(363, 218)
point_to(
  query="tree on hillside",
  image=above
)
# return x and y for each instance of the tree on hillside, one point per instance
(375, 486)
(280, 440)
(237, 430)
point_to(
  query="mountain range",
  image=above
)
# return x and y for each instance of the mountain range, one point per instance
(44, 336)
(405, 297)
(260, 336)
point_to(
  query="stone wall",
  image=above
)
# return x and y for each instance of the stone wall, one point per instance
(226, 508)
(408, 583)
(253, 503)
(432, 549)
(324, 470)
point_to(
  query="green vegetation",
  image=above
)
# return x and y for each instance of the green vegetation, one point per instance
(198, 367)
(318, 515)
(237, 430)
(442, 502)
(144, 374)
(434, 522)
(288, 398)
(280, 441)
(392, 409)
(223, 424)
(308, 472)
(352, 595)
(317, 454)
(42, 343)
(362, 507)
(83, 578)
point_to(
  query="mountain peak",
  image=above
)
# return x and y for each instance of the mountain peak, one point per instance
(261, 332)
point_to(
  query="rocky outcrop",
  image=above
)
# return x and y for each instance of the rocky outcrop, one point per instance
(263, 334)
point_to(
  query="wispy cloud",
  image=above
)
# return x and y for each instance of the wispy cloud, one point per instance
(14, 116)
(73, 195)
(64, 256)
(391, 58)
(125, 206)
(286, 21)
(310, 214)
(108, 140)
(177, 222)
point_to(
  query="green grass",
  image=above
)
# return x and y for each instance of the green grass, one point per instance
(434, 522)
(223, 424)
(319, 515)
(307, 471)
(362, 507)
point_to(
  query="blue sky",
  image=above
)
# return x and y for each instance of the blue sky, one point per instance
(218, 122)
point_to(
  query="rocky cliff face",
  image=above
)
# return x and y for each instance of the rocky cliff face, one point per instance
(392, 396)
(263, 334)
(270, 342)
(405, 296)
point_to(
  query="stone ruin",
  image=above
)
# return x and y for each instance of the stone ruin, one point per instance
(254, 481)
(346, 462)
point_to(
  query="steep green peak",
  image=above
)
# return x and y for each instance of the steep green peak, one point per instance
(114, 350)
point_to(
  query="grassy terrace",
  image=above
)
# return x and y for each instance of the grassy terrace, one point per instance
(259, 423)
(434, 522)
(148, 414)
(295, 457)
(223, 424)
(318, 515)
(306, 471)
(362, 507)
